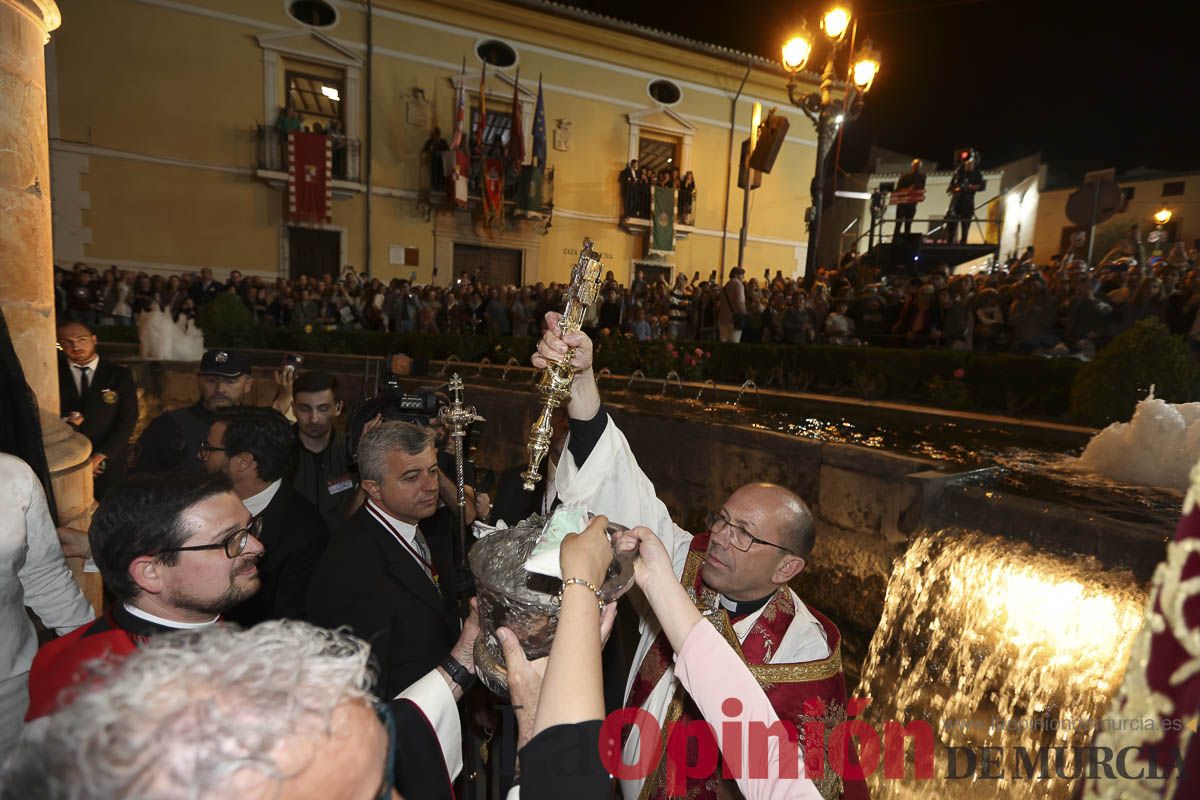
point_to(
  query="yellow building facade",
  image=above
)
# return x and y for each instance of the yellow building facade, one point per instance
(162, 156)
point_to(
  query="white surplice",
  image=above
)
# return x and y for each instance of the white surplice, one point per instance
(611, 483)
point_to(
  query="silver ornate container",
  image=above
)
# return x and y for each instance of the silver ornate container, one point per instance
(524, 602)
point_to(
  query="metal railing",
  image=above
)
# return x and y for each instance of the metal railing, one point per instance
(272, 153)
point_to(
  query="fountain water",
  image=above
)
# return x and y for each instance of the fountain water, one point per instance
(162, 339)
(667, 380)
(1157, 447)
(604, 372)
(637, 375)
(483, 362)
(512, 362)
(450, 359)
(708, 384)
(996, 644)
(742, 391)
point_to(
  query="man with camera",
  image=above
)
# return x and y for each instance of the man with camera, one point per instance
(910, 185)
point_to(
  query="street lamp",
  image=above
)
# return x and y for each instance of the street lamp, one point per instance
(826, 112)
(1162, 216)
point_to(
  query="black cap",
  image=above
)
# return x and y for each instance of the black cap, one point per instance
(226, 363)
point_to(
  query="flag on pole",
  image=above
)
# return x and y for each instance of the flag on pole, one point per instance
(482, 123)
(516, 137)
(539, 130)
(460, 108)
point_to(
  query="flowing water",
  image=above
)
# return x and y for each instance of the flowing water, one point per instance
(995, 644)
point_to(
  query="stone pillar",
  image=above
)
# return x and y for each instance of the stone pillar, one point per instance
(26, 247)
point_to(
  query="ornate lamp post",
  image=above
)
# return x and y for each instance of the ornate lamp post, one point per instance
(826, 112)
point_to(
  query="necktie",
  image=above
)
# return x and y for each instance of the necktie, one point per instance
(83, 380)
(423, 549)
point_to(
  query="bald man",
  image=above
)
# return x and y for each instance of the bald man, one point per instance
(99, 399)
(738, 570)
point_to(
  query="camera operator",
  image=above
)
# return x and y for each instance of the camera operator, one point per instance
(914, 179)
(966, 182)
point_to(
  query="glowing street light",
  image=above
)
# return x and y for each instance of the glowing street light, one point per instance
(865, 67)
(797, 50)
(827, 113)
(1162, 216)
(835, 23)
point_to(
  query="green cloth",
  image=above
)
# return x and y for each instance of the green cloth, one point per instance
(662, 230)
(529, 188)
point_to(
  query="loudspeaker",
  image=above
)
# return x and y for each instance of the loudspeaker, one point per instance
(771, 134)
(755, 175)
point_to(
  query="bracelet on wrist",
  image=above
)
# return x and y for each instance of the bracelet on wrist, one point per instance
(586, 584)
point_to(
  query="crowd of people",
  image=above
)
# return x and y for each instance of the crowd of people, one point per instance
(284, 617)
(1057, 307)
(637, 191)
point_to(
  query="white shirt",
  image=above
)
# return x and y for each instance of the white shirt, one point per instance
(168, 623)
(32, 570)
(77, 374)
(257, 503)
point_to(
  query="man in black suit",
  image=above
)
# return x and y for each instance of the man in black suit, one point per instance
(379, 576)
(253, 446)
(627, 179)
(513, 503)
(914, 179)
(97, 398)
(172, 439)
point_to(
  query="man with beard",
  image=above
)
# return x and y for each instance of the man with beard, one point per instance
(737, 571)
(253, 448)
(172, 439)
(175, 551)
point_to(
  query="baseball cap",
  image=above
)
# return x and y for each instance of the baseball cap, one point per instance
(225, 363)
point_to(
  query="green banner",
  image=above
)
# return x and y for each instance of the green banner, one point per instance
(662, 229)
(529, 188)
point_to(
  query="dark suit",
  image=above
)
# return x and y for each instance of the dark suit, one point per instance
(513, 504)
(294, 536)
(110, 412)
(369, 581)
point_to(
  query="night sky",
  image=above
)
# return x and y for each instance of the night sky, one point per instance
(1089, 85)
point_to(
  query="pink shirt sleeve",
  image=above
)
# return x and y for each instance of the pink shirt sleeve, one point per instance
(712, 672)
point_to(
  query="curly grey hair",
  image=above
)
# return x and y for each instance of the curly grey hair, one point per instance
(180, 717)
(388, 436)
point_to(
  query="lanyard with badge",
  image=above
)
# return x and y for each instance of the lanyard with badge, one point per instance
(386, 523)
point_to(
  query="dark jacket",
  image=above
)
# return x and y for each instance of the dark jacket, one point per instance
(110, 413)
(368, 581)
(294, 537)
(172, 440)
(513, 504)
(326, 479)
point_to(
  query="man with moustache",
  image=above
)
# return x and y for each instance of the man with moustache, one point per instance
(379, 576)
(738, 571)
(253, 448)
(175, 551)
(97, 398)
(172, 439)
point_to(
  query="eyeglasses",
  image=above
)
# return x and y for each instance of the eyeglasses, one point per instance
(206, 448)
(739, 537)
(234, 544)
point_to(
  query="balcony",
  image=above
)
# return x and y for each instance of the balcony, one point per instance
(271, 164)
(636, 201)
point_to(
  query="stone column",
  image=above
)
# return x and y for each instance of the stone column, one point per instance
(26, 248)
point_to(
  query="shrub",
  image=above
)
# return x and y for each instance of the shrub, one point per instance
(1108, 388)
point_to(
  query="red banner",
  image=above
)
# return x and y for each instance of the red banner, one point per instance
(310, 178)
(493, 189)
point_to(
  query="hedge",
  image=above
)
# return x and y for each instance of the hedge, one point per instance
(1008, 384)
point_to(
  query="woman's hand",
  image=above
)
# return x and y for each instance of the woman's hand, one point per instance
(587, 555)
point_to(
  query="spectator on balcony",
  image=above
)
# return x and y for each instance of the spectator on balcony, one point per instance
(288, 120)
(627, 180)
(687, 198)
(432, 151)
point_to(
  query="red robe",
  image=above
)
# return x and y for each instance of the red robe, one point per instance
(805, 692)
